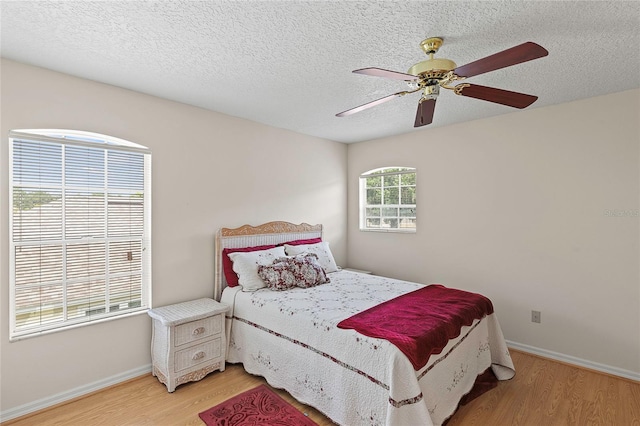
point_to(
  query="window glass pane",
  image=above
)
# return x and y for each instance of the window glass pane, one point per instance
(391, 180)
(86, 260)
(125, 291)
(40, 305)
(37, 214)
(38, 264)
(373, 223)
(390, 212)
(84, 167)
(125, 171)
(86, 298)
(373, 212)
(408, 179)
(389, 223)
(407, 212)
(37, 163)
(392, 195)
(407, 223)
(125, 257)
(84, 214)
(408, 195)
(374, 196)
(125, 215)
(374, 182)
(28, 199)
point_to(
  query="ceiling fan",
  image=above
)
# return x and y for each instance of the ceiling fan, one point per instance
(430, 75)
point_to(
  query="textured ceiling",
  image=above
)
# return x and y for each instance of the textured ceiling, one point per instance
(288, 63)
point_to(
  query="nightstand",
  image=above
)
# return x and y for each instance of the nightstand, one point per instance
(188, 341)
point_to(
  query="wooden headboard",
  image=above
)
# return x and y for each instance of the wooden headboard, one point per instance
(250, 236)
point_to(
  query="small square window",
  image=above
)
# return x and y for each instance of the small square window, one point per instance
(388, 199)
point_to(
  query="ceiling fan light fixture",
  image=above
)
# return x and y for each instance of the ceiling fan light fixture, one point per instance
(430, 92)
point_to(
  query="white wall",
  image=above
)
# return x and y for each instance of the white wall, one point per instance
(209, 171)
(515, 207)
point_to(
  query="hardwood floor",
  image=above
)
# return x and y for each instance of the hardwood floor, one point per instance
(543, 392)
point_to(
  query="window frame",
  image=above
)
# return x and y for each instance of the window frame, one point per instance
(383, 172)
(74, 138)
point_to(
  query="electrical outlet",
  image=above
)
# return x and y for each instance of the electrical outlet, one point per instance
(535, 316)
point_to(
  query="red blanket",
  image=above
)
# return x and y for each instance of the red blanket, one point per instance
(421, 323)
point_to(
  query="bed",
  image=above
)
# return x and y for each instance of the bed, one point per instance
(292, 339)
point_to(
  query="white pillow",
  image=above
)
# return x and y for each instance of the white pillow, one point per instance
(245, 264)
(322, 250)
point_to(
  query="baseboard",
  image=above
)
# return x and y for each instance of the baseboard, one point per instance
(579, 362)
(47, 402)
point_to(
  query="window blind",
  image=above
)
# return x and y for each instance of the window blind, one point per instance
(80, 230)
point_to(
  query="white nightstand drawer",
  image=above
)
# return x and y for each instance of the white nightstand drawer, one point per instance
(198, 354)
(188, 341)
(196, 330)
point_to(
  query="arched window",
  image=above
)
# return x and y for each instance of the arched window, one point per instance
(388, 200)
(80, 225)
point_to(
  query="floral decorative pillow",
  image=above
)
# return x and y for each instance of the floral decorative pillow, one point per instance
(325, 258)
(289, 272)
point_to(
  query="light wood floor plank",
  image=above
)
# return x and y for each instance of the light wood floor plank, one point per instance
(543, 392)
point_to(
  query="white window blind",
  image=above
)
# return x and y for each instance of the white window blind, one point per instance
(388, 200)
(80, 229)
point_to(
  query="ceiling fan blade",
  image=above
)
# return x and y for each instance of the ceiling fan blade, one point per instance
(379, 72)
(516, 55)
(424, 115)
(369, 104)
(498, 96)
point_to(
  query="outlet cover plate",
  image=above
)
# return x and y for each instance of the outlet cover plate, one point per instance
(535, 316)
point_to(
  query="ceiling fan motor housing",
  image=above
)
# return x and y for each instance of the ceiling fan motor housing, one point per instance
(434, 68)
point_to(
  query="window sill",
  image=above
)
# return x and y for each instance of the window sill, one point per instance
(397, 231)
(29, 335)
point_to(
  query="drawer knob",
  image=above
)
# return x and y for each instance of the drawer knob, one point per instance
(198, 331)
(198, 355)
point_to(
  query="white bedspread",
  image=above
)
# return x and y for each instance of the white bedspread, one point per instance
(291, 339)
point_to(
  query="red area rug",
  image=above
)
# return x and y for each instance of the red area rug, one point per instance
(258, 406)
